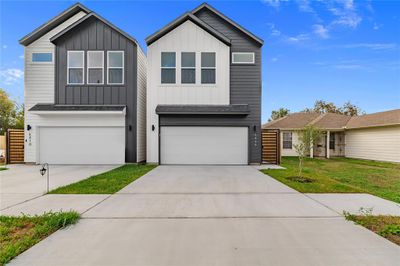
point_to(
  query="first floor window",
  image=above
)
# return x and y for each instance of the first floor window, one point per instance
(42, 57)
(331, 141)
(168, 68)
(75, 67)
(188, 68)
(95, 67)
(115, 67)
(208, 68)
(287, 140)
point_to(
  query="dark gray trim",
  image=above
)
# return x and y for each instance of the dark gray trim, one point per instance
(52, 23)
(187, 16)
(232, 109)
(77, 23)
(56, 107)
(248, 33)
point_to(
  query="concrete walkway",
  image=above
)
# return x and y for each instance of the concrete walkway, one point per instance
(211, 215)
(22, 183)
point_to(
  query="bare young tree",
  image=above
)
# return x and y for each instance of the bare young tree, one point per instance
(307, 137)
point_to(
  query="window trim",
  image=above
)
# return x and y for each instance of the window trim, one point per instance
(283, 140)
(201, 68)
(189, 68)
(243, 63)
(123, 67)
(42, 52)
(175, 67)
(88, 67)
(83, 67)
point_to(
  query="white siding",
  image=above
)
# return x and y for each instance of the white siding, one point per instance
(39, 83)
(382, 144)
(188, 37)
(141, 106)
(292, 151)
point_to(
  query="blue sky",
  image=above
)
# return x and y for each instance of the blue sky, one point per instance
(335, 50)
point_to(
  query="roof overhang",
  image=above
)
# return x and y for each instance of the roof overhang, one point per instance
(180, 20)
(54, 22)
(53, 109)
(233, 109)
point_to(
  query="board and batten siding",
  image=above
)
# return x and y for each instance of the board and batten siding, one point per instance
(188, 37)
(380, 143)
(39, 83)
(141, 105)
(92, 35)
(245, 79)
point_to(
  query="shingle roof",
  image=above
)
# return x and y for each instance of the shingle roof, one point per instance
(387, 118)
(335, 121)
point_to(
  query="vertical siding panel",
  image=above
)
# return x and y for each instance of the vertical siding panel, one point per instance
(99, 35)
(92, 95)
(99, 95)
(92, 36)
(70, 96)
(114, 40)
(77, 95)
(84, 95)
(107, 95)
(107, 38)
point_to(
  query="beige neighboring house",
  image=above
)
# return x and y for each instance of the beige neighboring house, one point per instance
(373, 136)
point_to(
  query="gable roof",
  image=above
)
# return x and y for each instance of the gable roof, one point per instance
(85, 18)
(52, 23)
(180, 20)
(335, 121)
(386, 118)
(240, 28)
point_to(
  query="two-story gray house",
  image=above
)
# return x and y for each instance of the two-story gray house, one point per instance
(203, 91)
(85, 92)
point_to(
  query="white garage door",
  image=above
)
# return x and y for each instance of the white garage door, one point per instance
(82, 145)
(204, 145)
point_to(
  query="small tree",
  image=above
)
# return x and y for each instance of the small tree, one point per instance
(307, 137)
(281, 112)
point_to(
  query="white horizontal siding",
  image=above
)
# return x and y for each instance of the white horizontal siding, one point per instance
(382, 144)
(39, 83)
(141, 106)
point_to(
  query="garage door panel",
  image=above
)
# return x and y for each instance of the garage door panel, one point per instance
(82, 145)
(204, 145)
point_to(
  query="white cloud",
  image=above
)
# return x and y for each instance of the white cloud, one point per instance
(5, 46)
(321, 31)
(345, 13)
(274, 3)
(274, 59)
(273, 29)
(21, 56)
(305, 6)
(373, 46)
(376, 26)
(298, 38)
(11, 75)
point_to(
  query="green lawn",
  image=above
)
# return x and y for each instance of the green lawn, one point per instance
(17, 234)
(341, 175)
(386, 226)
(3, 168)
(108, 182)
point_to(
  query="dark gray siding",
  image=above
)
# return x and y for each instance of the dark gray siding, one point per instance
(245, 80)
(93, 34)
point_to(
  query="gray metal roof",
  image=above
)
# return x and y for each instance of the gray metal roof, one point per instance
(233, 23)
(97, 16)
(187, 16)
(233, 109)
(55, 107)
(54, 22)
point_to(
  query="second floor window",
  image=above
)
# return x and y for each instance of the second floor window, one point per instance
(287, 140)
(208, 75)
(115, 67)
(168, 68)
(75, 65)
(95, 67)
(42, 57)
(188, 68)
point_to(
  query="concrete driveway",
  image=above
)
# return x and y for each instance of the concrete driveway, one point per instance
(211, 215)
(23, 182)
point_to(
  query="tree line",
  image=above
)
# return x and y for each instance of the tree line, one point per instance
(11, 114)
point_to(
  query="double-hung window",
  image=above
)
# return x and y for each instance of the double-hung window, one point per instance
(287, 140)
(95, 67)
(188, 68)
(75, 67)
(168, 68)
(115, 67)
(208, 69)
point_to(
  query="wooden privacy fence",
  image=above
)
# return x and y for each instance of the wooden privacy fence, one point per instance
(271, 146)
(15, 146)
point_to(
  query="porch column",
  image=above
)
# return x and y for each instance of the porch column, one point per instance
(327, 144)
(312, 150)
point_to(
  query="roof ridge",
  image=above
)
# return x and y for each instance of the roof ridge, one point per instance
(317, 119)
